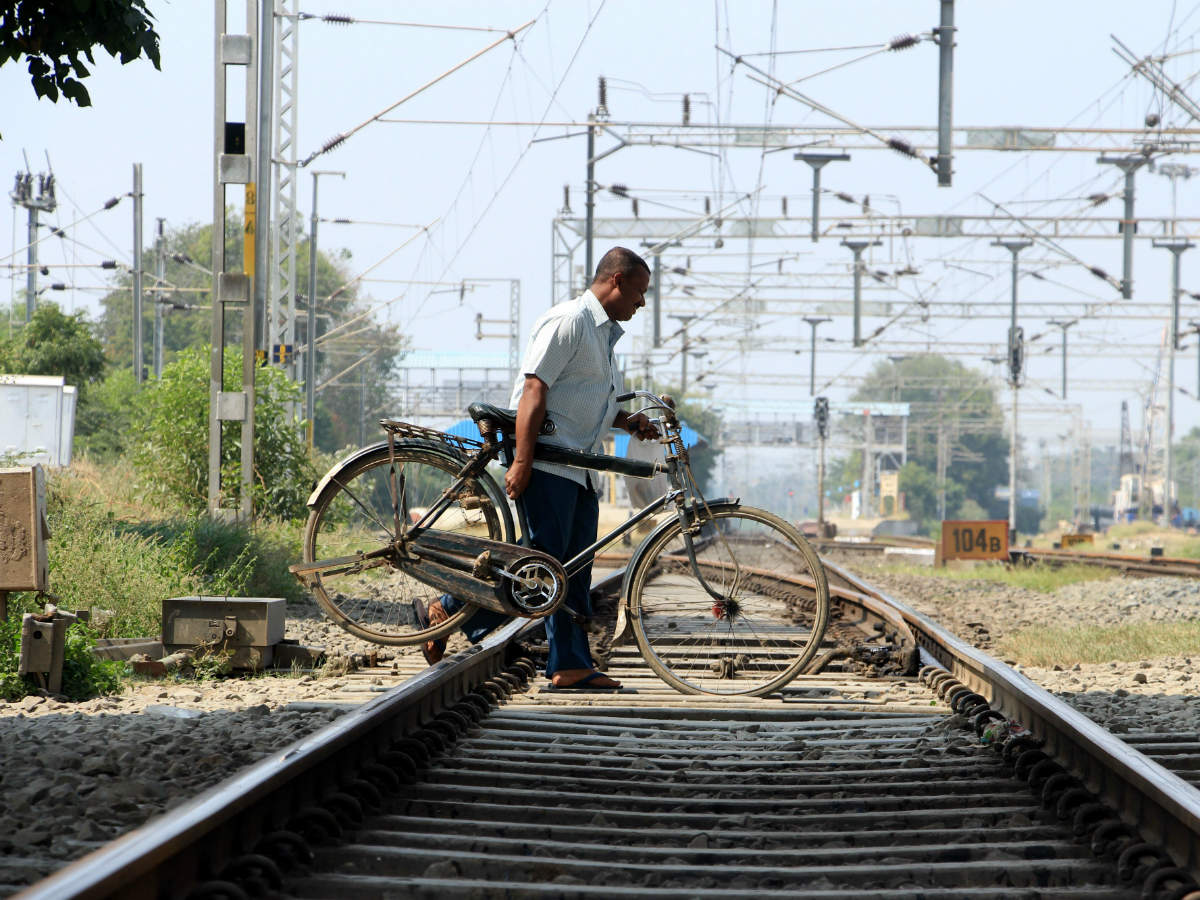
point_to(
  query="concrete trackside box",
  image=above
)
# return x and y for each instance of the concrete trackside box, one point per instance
(23, 531)
(249, 626)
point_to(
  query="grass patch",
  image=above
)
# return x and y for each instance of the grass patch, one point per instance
(1065, 646)
(1044, 579)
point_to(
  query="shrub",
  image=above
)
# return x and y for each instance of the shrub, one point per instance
(170, 437)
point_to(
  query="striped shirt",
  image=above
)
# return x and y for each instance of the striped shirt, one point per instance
(571, 350)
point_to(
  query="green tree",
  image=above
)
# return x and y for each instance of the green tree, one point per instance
(52, 36)
(945, 396)
(355, 367)
(54, 343)
(170, 436)
(103, 422)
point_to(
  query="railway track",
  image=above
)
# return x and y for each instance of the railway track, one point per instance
(861, 778)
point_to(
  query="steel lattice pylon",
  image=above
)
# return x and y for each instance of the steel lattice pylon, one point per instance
(281, 318)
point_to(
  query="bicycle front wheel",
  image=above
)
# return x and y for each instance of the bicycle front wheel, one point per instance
(742, 614)
(354, 512)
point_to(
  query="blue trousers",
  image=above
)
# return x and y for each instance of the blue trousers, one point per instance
(562, 516)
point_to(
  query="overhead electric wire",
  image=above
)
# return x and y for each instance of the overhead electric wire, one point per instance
(342, 137)
(337, 19)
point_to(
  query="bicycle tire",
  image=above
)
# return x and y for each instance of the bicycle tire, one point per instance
(760, 634)
(353, 511)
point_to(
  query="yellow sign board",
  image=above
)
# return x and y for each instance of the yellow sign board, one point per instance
(1072, 540)
(250, 225)
(974, 539)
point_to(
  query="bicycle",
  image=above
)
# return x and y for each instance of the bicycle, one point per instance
(419, 515)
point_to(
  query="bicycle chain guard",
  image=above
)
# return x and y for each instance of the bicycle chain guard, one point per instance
(506, 578)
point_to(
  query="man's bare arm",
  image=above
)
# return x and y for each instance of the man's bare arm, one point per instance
(531, 412)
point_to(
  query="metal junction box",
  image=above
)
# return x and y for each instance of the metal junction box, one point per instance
(249, 626)
(23, 531)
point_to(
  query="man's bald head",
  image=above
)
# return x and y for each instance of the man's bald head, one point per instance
(619, 261)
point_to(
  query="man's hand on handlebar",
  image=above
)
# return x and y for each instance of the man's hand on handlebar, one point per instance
(641, 427)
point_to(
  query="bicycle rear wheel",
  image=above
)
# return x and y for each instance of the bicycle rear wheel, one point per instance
(744, 619)
(354, 513)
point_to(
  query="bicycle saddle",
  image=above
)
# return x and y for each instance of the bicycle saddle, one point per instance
(503, 419)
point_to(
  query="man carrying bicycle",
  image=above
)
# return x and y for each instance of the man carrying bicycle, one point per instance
(569, 373)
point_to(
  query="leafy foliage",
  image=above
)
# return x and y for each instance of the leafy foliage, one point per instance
(349, 392)
(170, 446)
(947, 397)
(103, 421)
(54, 343)
(52, 37)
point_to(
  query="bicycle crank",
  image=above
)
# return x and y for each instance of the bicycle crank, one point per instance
(507, 578)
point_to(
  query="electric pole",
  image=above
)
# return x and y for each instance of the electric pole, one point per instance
(23, 195)
(159, 300)
(1177, 246)
(856, 246)
(818, 162)
(813, 322)
(1129, 165)
(1016, 356)
(1064, 326)
(138, 374)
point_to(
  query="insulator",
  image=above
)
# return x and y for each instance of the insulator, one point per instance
(333, 142)
(603, 85)
(58, 286)
(566, 196)
(707, 210)
(57, 232)
(783, 205)
(904, 41)
(1098, 272)
(1038, 275)
(635, 207)
(679, 270)
(687, 110)
(108, 264)
(337, 19)
(619, 189)
(902, 146)
(844, 197)
(1152, 120)
(111, 202)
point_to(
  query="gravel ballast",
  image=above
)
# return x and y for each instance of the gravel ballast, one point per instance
(76, 775)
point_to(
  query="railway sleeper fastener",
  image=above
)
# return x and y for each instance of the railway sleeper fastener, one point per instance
(315, 825)
(968, 704)
(383, 778)
(469, 711)
(1026, 761)
(480, 700)
(511, 682)
(255, 872)
(939, 683)
(1138, 861)
(1041, 772)
(434, 743)
(287, 848)
(493, 693)
(445, 728)
(1072, 800)
(1014, 747)
(400, 764)
(1112, 837)
(345, 807)
(525, 665)
(415, 750)
(1055, 787)
(928, 672)
(981, 718)
(1089, 817)
(368, 795)
(459, 722)
(1169, 883)
(953, 692)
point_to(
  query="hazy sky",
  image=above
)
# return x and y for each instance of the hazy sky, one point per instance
(487, 195)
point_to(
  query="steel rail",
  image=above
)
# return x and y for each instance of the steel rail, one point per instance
(1163, 807)
(192, 842)
(1134, 565)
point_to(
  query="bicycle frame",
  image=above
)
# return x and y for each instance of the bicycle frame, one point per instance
(675, 466)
